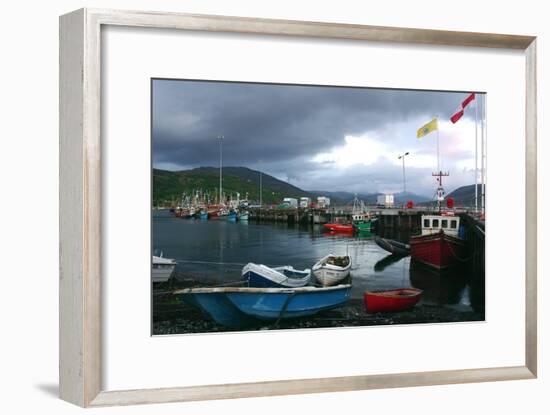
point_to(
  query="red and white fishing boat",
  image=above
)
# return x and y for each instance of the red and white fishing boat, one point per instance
(439, 245)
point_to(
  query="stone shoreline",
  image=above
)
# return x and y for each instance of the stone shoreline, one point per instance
(172, 316)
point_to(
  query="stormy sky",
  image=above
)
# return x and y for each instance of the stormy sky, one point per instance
(315, 137)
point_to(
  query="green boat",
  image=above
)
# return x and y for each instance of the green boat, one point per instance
(363, 225)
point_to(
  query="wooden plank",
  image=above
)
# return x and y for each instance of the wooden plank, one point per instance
(71, 287)
(307, 386)
(79, 201)
(531, 209)
(311, 29)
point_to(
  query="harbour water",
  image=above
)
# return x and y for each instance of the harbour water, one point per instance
(213, 252)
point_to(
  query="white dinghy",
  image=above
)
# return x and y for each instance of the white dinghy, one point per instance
(163, 268)
(332, 269)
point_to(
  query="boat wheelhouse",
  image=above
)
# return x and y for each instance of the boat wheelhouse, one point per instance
(439, 245)
(446, 222)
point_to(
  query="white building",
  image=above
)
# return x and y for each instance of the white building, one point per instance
(323, 201)
(305, 202)
(291, 202)
(385, 200)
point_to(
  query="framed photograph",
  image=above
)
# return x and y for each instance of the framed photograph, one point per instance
(281, 192)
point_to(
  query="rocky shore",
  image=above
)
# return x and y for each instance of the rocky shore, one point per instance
(172, 316)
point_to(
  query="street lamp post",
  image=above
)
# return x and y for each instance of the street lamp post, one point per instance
(402, 157)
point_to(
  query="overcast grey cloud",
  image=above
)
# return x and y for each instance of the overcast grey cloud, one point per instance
(318, 138)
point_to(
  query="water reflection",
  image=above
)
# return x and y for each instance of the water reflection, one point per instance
(216, 251)
(440, 287)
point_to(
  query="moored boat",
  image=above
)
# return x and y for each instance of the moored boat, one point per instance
(332, 269)
(439, 245)
(339, 227)
(362, 225)
(393, 247)
(245, 306)
(391, 300)
(258, 275)
(203, 215)
(162, 268)
(243, 215)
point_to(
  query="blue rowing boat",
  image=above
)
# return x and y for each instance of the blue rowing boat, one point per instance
(238, 307)
(258, 275)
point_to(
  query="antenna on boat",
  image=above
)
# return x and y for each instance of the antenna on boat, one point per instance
(440, 192)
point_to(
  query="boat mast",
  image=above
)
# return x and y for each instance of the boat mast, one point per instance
(476, 162)
(260, 190)
(221, 160)
(440, 192)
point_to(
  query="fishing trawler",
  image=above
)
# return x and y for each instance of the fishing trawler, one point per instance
(439, 245)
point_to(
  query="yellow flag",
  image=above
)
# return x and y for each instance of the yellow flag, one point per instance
(427, 128)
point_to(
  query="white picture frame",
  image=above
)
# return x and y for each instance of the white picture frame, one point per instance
(80, 206)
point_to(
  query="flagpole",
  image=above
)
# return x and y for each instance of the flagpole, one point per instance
(476, 162)
(483, 152)
(221, 161)
(437, 139)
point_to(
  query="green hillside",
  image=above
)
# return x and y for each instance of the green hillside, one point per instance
(168, 186)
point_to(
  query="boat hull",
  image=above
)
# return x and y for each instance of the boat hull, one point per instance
(162, 274)
(392, 300)
(393, 247)
(328, 275)
(290, 304)
(220, 309)
(438, 250)
(235, 307)
(337, 227)
(363, 226)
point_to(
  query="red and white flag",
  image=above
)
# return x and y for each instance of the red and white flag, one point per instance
(458, 115)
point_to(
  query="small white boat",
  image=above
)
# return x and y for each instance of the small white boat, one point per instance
(162, 269)
(258, 275)
(332, 269)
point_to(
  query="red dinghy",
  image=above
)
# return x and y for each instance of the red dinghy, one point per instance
(391, 300)
(339, 227)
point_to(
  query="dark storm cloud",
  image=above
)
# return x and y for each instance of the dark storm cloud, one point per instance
(278, 127)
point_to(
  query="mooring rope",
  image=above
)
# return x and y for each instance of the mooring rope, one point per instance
(185, 261)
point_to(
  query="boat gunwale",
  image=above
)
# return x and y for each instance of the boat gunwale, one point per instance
(389, 293)
(322, 264)
(259, 290)
(416, 239)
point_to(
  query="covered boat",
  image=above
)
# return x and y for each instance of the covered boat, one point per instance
(258, 275)
(162, 268)
(246, 306)
(391, 300)
(393, 247)
(439, 245)
(332, 269)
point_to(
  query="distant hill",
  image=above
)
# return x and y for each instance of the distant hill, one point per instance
(465, 195)
(168, 186)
